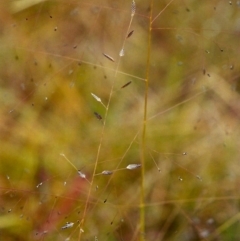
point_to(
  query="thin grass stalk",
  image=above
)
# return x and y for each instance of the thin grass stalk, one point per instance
(103, 127)
(143, 142)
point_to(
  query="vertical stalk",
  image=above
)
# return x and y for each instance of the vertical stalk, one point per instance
(143, 141)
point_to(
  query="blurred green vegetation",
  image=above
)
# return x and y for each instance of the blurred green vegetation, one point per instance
(52, 60)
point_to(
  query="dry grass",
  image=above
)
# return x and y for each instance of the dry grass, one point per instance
(52, 60)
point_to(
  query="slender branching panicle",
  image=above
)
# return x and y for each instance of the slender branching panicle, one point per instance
(115, 118)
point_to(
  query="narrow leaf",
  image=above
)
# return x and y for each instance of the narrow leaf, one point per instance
(109, 57)
(130, 34)
(128, 83)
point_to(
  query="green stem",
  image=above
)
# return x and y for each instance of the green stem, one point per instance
(143, 143)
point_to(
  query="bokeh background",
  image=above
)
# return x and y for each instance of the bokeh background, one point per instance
(52, 60)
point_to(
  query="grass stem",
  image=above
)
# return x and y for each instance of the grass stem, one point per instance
(143, 142)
